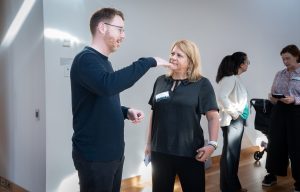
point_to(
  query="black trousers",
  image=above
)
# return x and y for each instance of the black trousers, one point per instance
(165, 168)
(230, 158)
(284, 141)
(98, 176)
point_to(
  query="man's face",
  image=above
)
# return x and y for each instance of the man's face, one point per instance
(114, 33)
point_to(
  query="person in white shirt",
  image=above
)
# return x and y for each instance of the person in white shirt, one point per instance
(234, 110)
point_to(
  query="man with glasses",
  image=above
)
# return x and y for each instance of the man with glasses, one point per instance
(98, 117)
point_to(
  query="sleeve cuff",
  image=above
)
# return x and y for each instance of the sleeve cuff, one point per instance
(297, 100)
(153, 61)
(125, 111)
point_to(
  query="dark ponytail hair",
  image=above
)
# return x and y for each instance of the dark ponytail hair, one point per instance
(293, 50)
(230, 65)
(225, 68)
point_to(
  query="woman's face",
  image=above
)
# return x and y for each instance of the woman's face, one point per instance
(289, 60)
(244, 66)
(179, 59)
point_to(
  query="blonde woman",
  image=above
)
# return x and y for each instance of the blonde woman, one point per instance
(175, 138)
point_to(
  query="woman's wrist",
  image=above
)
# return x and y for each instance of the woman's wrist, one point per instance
(213, 144)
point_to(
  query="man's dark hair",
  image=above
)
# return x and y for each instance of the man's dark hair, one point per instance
(104, 14)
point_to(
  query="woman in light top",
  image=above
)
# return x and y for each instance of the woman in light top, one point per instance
(234, 110)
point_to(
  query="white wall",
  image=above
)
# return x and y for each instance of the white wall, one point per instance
(259, 28)
(22, 136)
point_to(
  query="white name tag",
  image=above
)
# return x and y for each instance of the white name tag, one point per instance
(296, 78)
(163, 95)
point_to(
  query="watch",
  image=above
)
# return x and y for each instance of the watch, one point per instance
(213, 143)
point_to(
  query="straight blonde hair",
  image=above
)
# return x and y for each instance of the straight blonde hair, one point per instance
(192, 52)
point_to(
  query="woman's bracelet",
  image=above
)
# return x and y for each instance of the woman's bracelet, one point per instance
(213, 143)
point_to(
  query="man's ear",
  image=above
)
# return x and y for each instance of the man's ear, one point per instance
(101, 28)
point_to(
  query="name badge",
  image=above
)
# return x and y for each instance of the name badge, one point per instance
(296, 78)
(163, 95)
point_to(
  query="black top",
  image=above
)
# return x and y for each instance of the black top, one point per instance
(176, 128)
(98, 118)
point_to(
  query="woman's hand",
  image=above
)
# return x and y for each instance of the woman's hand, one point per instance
(148, 149)
(272, 99)
(288, 100)
(204, 153)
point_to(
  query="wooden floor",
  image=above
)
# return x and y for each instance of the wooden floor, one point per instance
(8, 186)
(251, 174)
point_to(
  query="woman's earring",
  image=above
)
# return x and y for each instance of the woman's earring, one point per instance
(189, 71)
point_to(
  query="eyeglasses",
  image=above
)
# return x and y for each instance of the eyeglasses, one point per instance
(121, 29)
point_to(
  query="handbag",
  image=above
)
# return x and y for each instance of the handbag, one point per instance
(263, 108)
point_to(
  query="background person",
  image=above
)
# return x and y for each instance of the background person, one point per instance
(175, 137)
(234, 111)
(284, 134)
(98, 117)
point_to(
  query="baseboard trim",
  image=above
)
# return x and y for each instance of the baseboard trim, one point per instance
(8, 186)
(134, 181)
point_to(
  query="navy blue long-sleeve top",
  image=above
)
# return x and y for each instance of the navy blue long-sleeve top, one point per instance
(98, 117)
